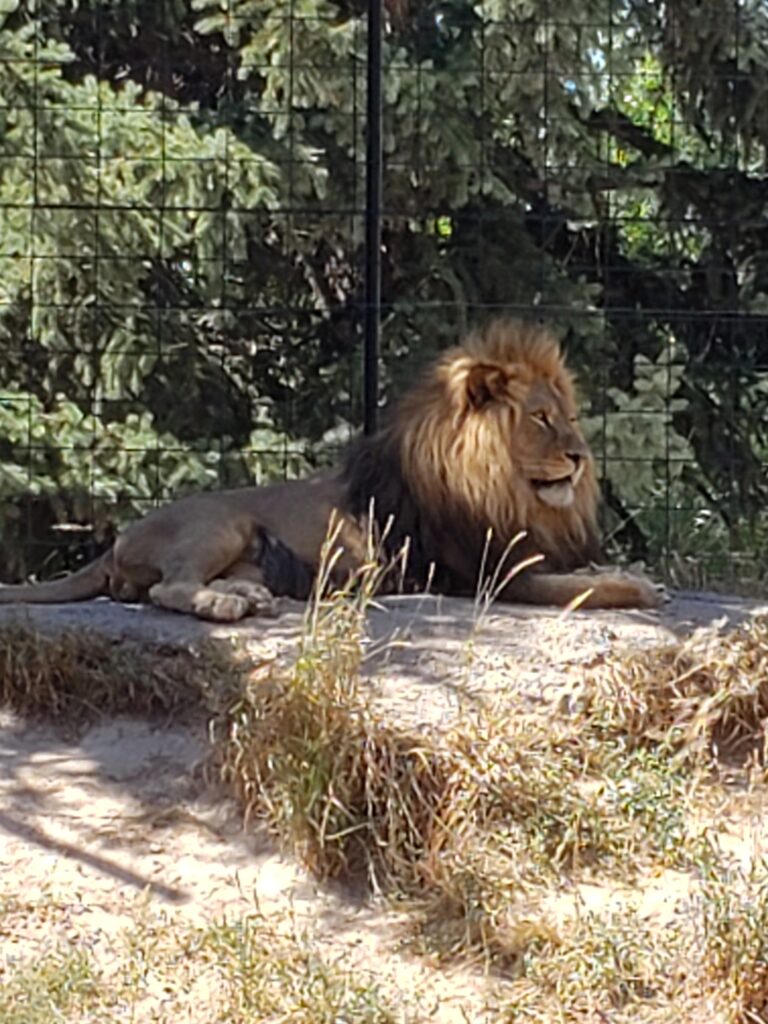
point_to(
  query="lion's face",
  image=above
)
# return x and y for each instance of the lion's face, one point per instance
(532, 427)
(549, 446)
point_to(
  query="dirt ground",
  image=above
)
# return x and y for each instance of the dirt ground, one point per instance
(122, 814)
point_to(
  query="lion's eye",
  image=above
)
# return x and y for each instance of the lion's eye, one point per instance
(542, 418)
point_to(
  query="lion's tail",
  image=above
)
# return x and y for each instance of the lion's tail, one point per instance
(90, 581)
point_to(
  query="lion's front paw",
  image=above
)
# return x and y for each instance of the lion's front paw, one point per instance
(650, 594)
(630, 591)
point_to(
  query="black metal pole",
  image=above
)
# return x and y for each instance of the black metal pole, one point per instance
(373, 191)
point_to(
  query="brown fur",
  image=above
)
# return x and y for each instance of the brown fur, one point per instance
(487, 445)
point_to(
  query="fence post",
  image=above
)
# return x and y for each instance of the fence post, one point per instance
(373, 193)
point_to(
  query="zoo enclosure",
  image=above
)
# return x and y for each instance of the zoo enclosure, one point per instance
(183, 244)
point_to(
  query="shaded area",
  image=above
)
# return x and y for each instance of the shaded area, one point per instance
(123, 810)
(38, 837)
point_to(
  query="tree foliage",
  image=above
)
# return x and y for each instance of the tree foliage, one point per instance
(181, 192)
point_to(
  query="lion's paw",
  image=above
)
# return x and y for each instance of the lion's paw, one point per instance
(651, 594)
(625, 590)
(259, 600)
(217, 607)
(640, 592)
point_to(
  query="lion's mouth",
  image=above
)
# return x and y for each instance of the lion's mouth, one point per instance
(558, 492)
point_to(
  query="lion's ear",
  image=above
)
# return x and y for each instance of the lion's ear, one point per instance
(485, 383)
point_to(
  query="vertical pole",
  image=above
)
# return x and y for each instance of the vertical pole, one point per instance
(373, 192)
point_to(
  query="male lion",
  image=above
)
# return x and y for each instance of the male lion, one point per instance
(485, 447)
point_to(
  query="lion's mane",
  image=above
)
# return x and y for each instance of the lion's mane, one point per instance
(447, 468)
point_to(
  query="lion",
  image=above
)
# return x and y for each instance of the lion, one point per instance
(482, 460)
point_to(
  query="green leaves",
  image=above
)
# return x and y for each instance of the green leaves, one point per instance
(643, 452)
(181, 222)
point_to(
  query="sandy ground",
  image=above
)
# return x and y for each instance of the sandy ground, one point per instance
(123, 813)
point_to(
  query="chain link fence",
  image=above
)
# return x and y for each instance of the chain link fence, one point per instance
(182, 247)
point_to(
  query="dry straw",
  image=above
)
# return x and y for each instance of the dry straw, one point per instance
(706, 695)
(74, 674)
(305, 747)
(470, 824)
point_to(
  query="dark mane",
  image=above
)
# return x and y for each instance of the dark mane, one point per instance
(373, 480)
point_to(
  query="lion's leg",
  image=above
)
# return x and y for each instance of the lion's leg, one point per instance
(272, 564)
(126, 590)
(608, 590)
(244, 570)
(174, 561)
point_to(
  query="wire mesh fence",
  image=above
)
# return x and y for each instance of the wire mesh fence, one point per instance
(182, 246)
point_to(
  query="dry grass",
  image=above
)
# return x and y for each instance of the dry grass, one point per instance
(465, 822)
(707, 695)
(269, 976)
(473, 824)
(73, 675)
(474, 827)
(340, 787)
(613, 967)
(235, 971)
(732, 936)
(619, 966)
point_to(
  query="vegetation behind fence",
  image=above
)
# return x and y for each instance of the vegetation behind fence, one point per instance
(181, 246)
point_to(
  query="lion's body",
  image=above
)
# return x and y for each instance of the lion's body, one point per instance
(486, 446)
(205, 554)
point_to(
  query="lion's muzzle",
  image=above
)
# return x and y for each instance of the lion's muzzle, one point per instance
(559, 492)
